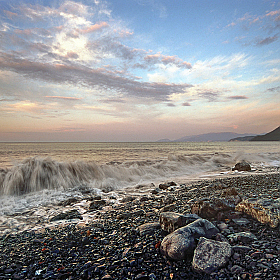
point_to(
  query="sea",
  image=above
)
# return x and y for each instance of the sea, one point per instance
(35, 178)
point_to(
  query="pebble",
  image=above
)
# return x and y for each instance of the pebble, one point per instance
(112, 248)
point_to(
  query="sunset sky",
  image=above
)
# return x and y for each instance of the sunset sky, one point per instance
(137, 70)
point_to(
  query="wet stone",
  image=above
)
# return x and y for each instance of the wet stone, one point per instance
(170, 221)
(210, 255)
(181, 243)
(72, 214)
(97, 204)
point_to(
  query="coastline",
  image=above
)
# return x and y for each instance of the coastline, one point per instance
(112, 248)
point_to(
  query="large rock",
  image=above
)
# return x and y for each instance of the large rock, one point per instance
(211, 207)
(242, 166)
(181, 243)
(72, 214)
(210, 255)
(170, 221)
(165, 186)
(266, 211)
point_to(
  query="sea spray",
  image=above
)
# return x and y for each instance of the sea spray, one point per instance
(36, 174)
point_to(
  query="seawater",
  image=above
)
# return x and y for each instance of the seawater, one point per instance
(35, 177)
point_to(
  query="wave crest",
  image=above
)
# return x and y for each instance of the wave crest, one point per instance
(36, 174)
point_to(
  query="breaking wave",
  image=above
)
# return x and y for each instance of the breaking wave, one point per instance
(36, 174)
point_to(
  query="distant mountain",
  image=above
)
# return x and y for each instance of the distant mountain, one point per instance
(164, 140)
(244, 138)
(270, 136)
(211, 137)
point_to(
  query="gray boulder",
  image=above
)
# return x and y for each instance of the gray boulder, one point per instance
(182, 242)
(170, 221)
(266, 211)
(210, 255)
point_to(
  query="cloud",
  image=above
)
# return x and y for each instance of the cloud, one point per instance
(237, 97)
(209, 94)
(274, 89)
(267, 41)
(64, 98)
(186, 104)
(25, 106)
(158, 58)
(94, 28)
(252, 24)
(89, 77)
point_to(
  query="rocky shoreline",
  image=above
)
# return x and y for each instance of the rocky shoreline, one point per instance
(125, 240)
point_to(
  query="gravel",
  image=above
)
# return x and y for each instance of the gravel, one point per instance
(112, 248)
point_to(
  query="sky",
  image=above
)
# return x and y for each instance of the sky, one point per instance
(137, 70)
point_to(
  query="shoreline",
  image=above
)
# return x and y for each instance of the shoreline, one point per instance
(111, 246)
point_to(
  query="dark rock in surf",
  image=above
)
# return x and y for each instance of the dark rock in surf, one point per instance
(97, 204)
(165, 186)
(156, 191)
(210, 255)
(242, 166)
(69, 201)
(170, 221)
(181, 243)
(72, 214)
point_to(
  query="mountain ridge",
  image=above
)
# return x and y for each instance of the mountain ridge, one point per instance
(273, 135)
(208, 137)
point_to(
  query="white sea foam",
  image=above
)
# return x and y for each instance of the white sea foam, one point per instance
(32, 188)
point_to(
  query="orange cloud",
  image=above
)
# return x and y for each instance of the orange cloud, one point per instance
(94, 27)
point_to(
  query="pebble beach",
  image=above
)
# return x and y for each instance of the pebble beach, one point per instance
(112, 245)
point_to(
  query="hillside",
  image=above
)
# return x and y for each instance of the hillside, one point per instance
(244, 138)
(211, 137)
(271, 136)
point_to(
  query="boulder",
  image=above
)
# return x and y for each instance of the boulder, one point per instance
(242, 236)
(208, 208)
(210, 255)
(242, 166)
(182, 242)
(97, 204)
(156, 191)
(266, 211)
(148, 228)
(170, 221)
(72, 214)
(165, 186)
